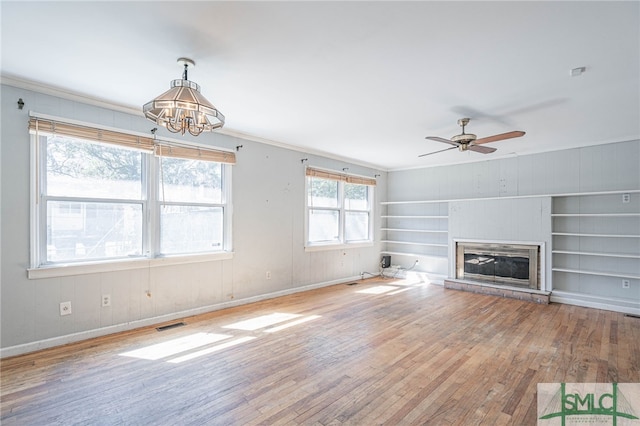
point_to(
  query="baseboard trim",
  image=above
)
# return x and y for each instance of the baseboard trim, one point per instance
(103, 331)
(585, 301)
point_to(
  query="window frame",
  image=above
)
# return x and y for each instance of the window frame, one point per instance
(40, 267)
(342, 179)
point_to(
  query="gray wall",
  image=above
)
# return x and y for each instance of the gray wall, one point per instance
(268, 235)
(512, 199)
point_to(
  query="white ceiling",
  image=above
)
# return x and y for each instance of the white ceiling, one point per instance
(365, 81)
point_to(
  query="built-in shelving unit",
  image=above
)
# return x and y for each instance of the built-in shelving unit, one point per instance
(596, 246)
(417, 230)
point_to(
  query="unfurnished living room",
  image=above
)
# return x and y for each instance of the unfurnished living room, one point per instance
(320, 213)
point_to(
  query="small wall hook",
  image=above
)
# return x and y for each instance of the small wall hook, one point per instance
(375, 176)
(303, 160)
(238, 147)
(344, 169)
(20, 103)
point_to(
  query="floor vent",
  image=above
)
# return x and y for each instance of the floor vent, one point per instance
(169, 326)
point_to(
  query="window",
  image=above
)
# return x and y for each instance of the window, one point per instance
(338, 208)
(104, 195)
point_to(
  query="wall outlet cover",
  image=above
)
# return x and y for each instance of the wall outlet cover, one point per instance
(65, 308)
(106, 300)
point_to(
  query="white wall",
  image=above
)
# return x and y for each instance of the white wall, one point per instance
(268, 235)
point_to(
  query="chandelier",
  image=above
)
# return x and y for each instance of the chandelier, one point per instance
(182, 108)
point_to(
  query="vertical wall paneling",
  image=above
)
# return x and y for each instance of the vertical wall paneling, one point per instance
(268, 235)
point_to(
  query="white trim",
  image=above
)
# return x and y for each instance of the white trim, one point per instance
(103, 331)
(597, 302)
(137, 111)
(69, 269)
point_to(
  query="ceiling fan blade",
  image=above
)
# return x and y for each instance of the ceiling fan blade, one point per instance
(494, 138)
(438, 139)
(481, 149)
(435, 152)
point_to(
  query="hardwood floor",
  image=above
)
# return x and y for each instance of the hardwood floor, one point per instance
(381, 351)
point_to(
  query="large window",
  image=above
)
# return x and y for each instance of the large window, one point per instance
(103, 195)
(338, 208)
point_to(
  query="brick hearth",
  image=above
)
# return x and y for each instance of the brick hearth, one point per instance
(527, 294)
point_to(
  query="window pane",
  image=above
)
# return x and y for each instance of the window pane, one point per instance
(190, 181)
(356, 197)
(90, 231)
(323, 192)
(323, 225)
(78, 168)
(356, 227)
(191, 229)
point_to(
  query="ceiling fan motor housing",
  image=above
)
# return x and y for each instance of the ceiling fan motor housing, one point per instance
(464, 138)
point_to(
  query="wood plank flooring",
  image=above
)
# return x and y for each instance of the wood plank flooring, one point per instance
(381, 351)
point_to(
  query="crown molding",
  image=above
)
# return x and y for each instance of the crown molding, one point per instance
(46, 89)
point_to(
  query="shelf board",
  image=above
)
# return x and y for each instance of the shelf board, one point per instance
(414, 217)
(395, 253)
(507, 197)
(587, 253)
(414, 230)
(415, 244)
(595, 215)
(577, 234)
(600, 274)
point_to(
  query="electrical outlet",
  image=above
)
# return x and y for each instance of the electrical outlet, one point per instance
(268, 275)
(626, 284)
(626, 198)
(106, 300)
(65, 308)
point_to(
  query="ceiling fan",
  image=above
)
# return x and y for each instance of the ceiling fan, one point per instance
(468, 141)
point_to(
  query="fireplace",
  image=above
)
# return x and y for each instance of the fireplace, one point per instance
(498, 263)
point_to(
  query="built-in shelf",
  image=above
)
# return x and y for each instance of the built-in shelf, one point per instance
(578, 234)
(598, 273)
(417, 229)
(595, 246)
(428, 231)
(414, 217)
(397, 253)
(411, 243)
(595, 215)
(598, 254)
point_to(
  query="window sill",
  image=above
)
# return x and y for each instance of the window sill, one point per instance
(324, 247)
(65, 270)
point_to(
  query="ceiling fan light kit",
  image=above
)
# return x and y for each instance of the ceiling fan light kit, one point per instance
(470, 142)
(183, 108)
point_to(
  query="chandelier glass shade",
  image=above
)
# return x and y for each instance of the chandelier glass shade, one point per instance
(183, 109)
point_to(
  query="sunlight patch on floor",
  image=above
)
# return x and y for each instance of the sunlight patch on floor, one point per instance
(379, 289)
(175, 346)
(212, 349)
(291, 324)
(262, 321)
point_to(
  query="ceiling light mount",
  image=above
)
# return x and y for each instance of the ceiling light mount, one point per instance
(182, 108)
